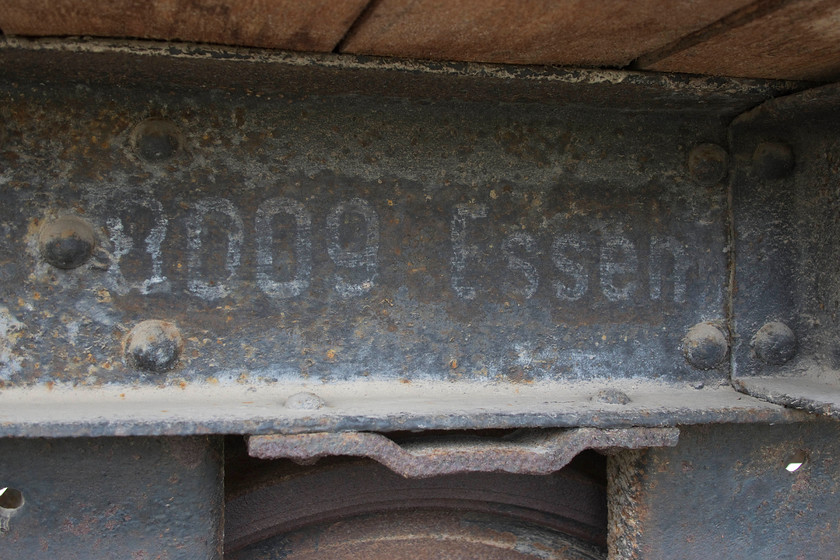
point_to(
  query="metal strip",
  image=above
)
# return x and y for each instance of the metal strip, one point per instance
(526, 452)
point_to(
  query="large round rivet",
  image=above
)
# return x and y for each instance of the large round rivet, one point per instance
(705, 346)
(611, 396)
(153, 346)
(708, 164)
(773, 160)
(774, 343)
(66, 242)
(305, 401)
(157, 139)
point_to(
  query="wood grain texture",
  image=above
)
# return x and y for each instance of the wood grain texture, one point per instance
(798, 41)
(313, 25)
(567, 32)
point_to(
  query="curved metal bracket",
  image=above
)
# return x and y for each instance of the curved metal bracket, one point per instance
(521, 452)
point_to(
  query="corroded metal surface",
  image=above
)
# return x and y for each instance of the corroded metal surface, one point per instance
(526, 452)
(785, 205)
(91, 499)
(181, 258)
(266, 499)
(423, 534)
(335, 238)
(731, 490)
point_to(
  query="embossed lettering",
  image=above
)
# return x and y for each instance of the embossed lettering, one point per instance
(567, 253)
(619, 266)
(123, 244)
(461, 251)
(512, 247)
(235, 233)
(302, 248)
(364, 259)
(663, 250)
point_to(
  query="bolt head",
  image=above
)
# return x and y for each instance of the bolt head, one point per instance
(305, 401)
(708, 164)
(612, 396)
(773, 160)
(774, 343)
(157, 140)
(705, 346)
(153, 346)
(66, 242)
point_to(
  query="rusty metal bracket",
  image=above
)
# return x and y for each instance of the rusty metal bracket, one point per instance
(785, 206)
(522, 452)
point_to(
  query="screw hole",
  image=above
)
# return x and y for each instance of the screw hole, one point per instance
(10, 498)
(157, 140)
(796, 461)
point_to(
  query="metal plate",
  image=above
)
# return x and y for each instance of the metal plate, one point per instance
(728, 488)
(786, 203)
(113, 497)
(339, 238)
(287, 239)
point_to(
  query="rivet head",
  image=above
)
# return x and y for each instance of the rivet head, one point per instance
(305, 401)
(705, 346)
(153, 346)
(612, 396)
(157, 140)
(774, 343)
(66, 242)
(773, 160)
(708, 164)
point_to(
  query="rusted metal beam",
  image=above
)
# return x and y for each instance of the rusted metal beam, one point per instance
(481, 250)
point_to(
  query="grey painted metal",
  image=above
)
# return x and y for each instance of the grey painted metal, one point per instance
(113, 498)
(786, 284)
(290, 229)
(522, 452)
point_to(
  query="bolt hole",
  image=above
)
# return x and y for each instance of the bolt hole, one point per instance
(10, 498)
(796, 461)
(157, 140)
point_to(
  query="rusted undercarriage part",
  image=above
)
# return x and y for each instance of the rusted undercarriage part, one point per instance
(522, 452)
(273, 505)
(739, 492)
(422, 534)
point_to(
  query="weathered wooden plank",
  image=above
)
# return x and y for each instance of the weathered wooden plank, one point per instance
(314, 25)
(798, 41)
(570, 32)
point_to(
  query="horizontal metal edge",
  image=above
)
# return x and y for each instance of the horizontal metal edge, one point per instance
(793, 108)
(372, 406)
(157, 64)
(819, 397)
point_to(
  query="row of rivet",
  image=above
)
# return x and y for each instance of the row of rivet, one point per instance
(69, 241)
(709, 163)
(156, 346)
(705, 346)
